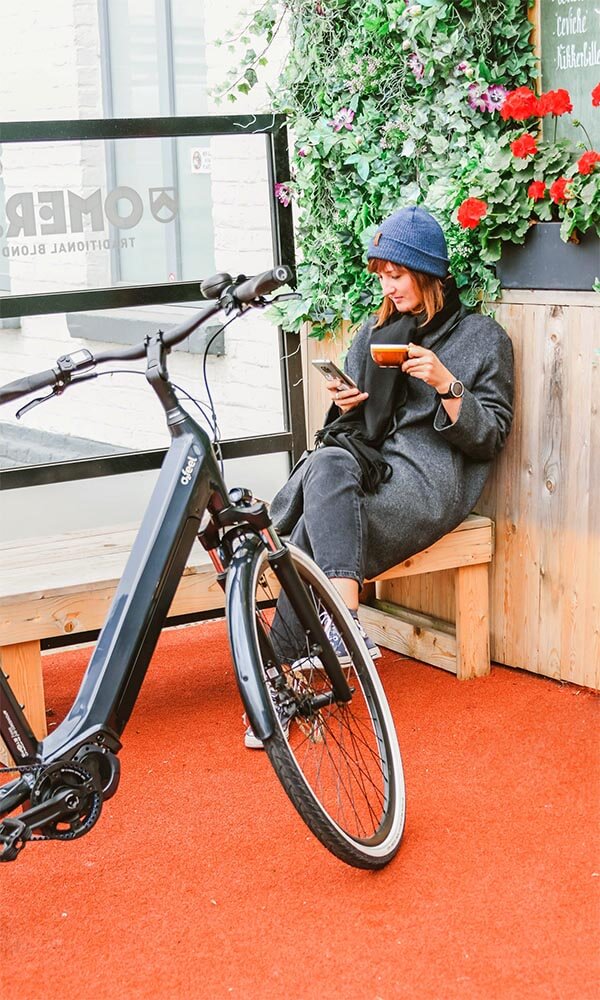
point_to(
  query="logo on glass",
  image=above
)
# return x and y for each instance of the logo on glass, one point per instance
(54, 213)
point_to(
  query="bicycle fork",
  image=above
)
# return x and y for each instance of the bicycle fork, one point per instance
(245, 637)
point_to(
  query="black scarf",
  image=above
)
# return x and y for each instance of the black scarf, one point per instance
(363, 430)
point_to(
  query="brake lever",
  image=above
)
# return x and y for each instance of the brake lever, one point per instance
(262, 302)
(284, 297)
(34, 402)
(57, 391)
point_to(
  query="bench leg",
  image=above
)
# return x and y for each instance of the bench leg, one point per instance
(22, 664)
(472, 621)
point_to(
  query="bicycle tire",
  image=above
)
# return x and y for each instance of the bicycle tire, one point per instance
(340, 765)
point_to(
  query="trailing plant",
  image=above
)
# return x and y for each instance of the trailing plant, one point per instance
(392, 103)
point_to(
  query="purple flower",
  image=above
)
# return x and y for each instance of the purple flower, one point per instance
(462, 67)
(476, 99)
(302, 151)
(283, 194)
(342, 119)
(496, 95)
(491, 99)
(417, 66)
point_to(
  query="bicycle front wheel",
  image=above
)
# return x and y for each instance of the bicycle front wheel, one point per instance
(339, 763)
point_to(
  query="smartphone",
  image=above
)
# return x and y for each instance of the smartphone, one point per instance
(330, 371)
(389, 355)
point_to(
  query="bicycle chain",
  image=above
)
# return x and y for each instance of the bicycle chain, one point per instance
(25, 769)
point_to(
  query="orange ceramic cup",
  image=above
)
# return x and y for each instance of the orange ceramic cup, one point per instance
(389, 355)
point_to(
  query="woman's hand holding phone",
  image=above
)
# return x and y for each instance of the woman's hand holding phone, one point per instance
(345, 397)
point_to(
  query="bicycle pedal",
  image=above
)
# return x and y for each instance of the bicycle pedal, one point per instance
(14, 834)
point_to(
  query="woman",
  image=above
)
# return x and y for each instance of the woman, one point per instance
(403, 458)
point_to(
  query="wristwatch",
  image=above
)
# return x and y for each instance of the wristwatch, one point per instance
(456, 390)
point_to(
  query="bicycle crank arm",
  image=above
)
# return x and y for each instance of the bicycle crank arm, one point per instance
(62, 805)
(14, 833)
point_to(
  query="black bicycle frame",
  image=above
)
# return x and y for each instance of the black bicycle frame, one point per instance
(189, 484)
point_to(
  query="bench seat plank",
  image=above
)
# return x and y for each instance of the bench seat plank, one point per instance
(470, 543)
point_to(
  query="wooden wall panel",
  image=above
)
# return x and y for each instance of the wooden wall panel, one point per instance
(316, 397)
(543, 494)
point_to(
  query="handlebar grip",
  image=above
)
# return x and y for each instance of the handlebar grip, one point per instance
(23, 386)
(262, 284)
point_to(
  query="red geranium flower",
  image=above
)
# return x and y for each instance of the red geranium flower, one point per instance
(524, 146)
(471, 212)
(585, 163)
(555, 102)
(596, 96)
(519, 104)
(559, 192)
(536, 190)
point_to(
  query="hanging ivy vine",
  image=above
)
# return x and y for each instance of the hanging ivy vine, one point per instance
(386, 101)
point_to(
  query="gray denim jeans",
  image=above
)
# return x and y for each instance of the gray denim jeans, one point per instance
(333, 528)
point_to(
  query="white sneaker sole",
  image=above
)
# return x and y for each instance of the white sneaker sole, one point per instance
(252, 742)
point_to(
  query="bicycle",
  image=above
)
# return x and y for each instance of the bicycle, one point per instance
(324, 722)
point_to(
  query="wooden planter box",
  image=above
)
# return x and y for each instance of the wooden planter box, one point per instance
(544, 261)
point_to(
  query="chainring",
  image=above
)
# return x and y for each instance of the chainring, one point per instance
(88, 800)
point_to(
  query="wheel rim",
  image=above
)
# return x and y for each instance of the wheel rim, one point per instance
(341, 752)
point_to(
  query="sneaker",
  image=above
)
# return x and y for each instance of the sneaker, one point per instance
(372, 646)
(335, 639)
(253, 742)
(314, 663)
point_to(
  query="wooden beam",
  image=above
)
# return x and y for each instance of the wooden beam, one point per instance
(398, 629)
(472, 622)
(470, 543)
(534, 16)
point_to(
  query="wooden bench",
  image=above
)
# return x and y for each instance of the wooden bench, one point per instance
(463, 648)
(63, 585)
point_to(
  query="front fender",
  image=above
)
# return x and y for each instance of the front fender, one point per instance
(241, 627)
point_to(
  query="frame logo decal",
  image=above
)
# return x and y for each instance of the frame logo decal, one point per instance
(186, 472)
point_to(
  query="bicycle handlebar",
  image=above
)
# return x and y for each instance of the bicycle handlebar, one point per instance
(244, 292)
(261, 284)
(23, 386)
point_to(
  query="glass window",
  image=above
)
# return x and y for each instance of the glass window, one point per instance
(152, 72)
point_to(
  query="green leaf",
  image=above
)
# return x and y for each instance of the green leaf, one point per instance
(363, 167)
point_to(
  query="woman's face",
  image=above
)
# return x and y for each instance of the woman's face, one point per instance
(399, 285)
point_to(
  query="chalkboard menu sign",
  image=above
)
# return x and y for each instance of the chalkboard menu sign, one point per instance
(570, 48)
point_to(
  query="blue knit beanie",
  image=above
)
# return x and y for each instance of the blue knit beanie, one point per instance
(411, 237)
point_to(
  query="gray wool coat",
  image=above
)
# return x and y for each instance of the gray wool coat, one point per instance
(438, 468)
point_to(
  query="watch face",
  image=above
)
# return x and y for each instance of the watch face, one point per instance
(457, 389)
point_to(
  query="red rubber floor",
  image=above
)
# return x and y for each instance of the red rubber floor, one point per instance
(200, 880)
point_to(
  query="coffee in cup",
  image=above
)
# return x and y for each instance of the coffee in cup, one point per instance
(389, 355)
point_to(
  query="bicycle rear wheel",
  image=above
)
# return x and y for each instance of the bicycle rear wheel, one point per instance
(339, 763)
